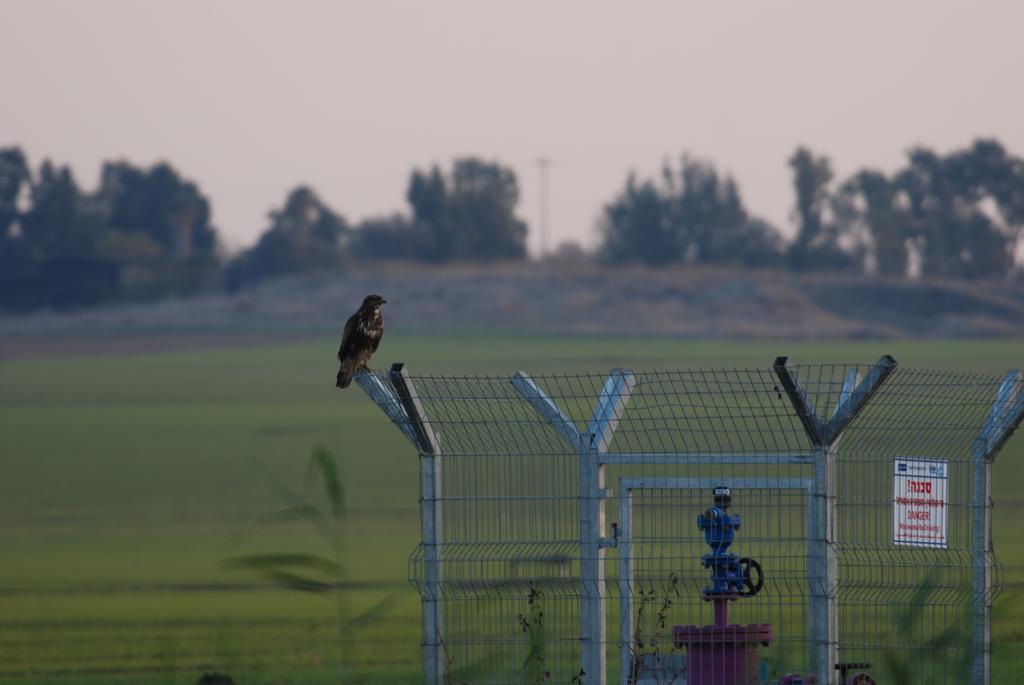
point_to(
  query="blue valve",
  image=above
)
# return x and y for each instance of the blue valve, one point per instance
(730, 574)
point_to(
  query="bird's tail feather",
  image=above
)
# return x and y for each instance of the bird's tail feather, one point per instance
(348, 367)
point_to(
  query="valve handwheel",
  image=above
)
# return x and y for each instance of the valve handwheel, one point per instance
(859, 678)
(752, 585)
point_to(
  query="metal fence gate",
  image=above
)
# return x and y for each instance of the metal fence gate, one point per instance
(559, 536)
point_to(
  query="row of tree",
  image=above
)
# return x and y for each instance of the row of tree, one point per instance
(956, 216)
(466, 215)
(143, 232)
(146, 232)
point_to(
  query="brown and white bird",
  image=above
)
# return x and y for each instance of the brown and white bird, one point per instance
(360, 339)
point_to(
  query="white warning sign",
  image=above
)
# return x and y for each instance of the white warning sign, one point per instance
(919, 502)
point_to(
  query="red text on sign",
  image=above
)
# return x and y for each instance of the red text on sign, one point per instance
(919, 486)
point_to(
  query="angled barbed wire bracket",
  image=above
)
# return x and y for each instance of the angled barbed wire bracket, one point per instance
(548, 410)
(805, 410)
(425, 438)
(849, 384)
(608, 410)
(611, 405)
(1004, 418)
(851, 399)
(383, 394)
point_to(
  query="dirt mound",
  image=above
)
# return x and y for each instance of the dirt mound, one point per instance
(570, 297)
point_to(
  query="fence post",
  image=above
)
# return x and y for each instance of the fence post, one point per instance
(823, 560)
(590, 447)
(431, 529)
(1006, 414)
(821, 554)
(592, 618)
(626, 586)
(824, 565)
(608, 410)
(981, 584)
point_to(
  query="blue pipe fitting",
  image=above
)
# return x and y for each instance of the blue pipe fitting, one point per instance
(727, 577)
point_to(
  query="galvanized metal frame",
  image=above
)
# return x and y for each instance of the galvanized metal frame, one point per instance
(822, 562)
(399, 400)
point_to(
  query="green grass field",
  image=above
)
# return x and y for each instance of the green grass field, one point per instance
(124, 481)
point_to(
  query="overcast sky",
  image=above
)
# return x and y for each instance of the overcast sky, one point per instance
(249, 98)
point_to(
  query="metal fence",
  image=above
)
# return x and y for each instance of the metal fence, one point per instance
(560, 538)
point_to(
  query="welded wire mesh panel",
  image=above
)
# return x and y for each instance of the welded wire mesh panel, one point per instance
(557, 494)
(509, 559)
(708, 412)
(907, 607)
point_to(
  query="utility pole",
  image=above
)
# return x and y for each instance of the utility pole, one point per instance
(543, 163)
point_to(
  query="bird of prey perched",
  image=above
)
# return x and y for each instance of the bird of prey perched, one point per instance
(360, 339)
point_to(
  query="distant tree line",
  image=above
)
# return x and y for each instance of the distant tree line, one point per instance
(142, 233)
(465, 215)
(955, 216)
(147, 232)
(691, 215)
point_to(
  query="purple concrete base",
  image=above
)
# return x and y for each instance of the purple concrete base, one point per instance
(722, 654)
